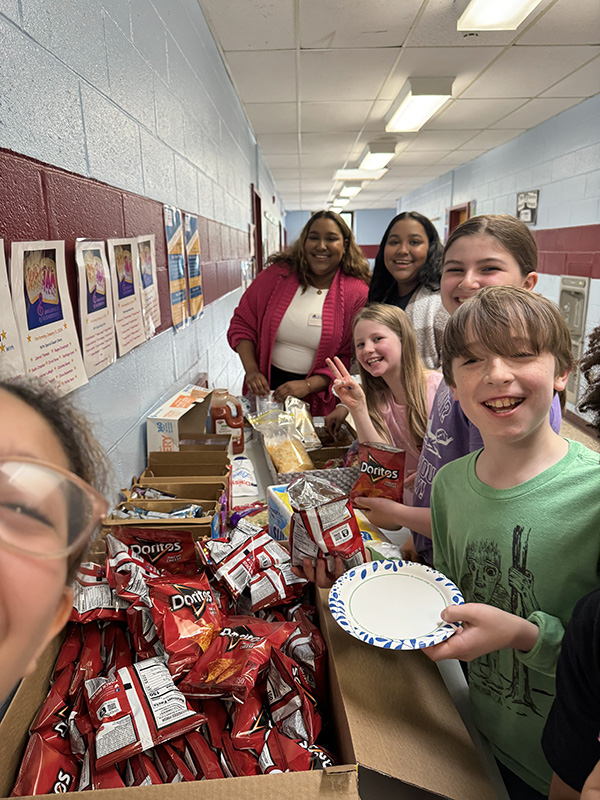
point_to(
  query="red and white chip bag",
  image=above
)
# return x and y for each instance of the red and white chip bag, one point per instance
(381, 472)
(80, 726)
(93, 778)
(217, 720)
(198, 755)
(251, 723)
(136, 710)
(127, 572)
(171, 766)
(275, 585)
(52, 718)
(141, 771)
(90, 663)
(70, 650)
(292, 705)
(187, 619)
(93, 597)
(45, 770)
(241, 763)
(306, 646)
(116, 650)
(169, 549)
(231, 665)
(281, 754)
(323, 524)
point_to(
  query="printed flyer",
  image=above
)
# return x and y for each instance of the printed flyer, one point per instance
(95, 306)
(127, 293)
(44, 315)
(192, 250)
(176, 256)
(11, 358)
(150, 305)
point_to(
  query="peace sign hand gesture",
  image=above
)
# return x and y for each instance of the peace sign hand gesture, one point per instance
(346, 388)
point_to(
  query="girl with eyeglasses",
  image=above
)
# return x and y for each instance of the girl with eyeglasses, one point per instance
(49, 513)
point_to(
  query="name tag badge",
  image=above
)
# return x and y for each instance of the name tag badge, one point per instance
(316, 320)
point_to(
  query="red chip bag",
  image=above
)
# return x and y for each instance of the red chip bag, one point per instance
(231, 665)
(381, 472)
(323, 524)
(52, 718)
(80, 726)
(45, 770)
(116, 648)
(291, 703)
(93, 597)
(187, 619)
(241, 763)
(71, 648)
(141, 771)
(281, 754)
(275, 585)
(93, 778)
(198, 756)
(171, 550)
(217, 720)
(171, 766)
(138, 709)
(90, 662)
(251, 723)
(306, 646)
(127, 572)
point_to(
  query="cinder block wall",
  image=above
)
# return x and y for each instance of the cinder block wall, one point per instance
(133, 96)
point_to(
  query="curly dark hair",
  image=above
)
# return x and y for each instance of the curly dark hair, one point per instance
(353, 262)
(383, 285)
(590, 366)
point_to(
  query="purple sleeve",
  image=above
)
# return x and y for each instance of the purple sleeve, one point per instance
(555, 414)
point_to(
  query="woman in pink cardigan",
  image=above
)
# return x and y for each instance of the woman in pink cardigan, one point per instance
(299, 311)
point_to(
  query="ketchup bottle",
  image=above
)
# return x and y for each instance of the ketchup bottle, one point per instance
(225, 416)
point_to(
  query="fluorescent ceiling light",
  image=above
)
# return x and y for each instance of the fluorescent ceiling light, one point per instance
(341, 202)
(350, 188)
(495, 15)
(417, 102)
(376, 155)
(359, 174)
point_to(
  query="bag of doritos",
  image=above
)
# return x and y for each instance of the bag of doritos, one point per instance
(381, 472)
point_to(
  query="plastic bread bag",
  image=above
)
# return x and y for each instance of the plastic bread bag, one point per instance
(283, 442)
(303, 422)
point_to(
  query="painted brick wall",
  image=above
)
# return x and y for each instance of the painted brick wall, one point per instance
(120, 106)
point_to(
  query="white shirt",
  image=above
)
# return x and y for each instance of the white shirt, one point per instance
(299, 332)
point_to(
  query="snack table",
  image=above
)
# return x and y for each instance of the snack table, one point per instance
(450, 670)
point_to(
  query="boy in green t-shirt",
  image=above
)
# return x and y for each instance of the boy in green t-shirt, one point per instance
(514, 524)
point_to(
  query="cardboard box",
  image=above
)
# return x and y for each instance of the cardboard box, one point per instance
(183, 414)
(205, 441)
(398, 735)
(197, 455)
(205, 527)
(175, 471)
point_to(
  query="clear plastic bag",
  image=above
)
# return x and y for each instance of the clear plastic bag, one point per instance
(303, 422)
(282, 441)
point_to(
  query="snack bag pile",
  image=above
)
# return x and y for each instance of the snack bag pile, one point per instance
(323, 524)
(167, 676)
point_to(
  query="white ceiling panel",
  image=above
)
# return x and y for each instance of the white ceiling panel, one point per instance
(350, 74)
(560, 25)
(536, 111)
(355, 23)
(264, 74)
(272, 117)
(529, 71)
(476, 114)
(341, 63)
(252, 24)
(584, 82)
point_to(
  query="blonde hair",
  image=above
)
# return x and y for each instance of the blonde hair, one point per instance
(353, 261)
(501, 318)
(413, 374)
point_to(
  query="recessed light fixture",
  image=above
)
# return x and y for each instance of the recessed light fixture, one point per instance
(377, 155)
(350, 188)
(359, 174)
(341, 202)
(417, 102)
(492, 15)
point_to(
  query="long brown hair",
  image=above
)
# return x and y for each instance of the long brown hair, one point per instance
(413, 374)
(353, 262)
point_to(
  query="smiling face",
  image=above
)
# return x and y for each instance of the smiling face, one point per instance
(34, 601)
(378, 349)
(324, 249)
(473, 262)
(507, 397)
(405, 252)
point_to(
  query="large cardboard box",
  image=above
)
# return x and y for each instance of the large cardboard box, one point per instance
(183, 414)
(398, 735)
(197, 455)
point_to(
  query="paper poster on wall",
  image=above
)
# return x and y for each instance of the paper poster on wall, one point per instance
(147, 262)
(127, 293)
(11, 357)
(192, 250)
(176, 257)
(49, 342)
(98, 340)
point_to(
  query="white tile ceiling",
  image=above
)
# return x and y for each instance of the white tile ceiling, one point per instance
(317, 77)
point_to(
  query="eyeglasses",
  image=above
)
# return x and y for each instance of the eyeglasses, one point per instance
(46, 511)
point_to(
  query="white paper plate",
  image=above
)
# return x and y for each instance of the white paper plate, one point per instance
(394, 604)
